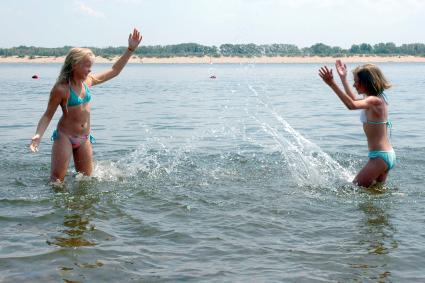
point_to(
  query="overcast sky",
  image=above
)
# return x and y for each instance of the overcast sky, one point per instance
(102, 23)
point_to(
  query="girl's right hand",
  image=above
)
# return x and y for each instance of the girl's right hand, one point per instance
(326, 75)
(341, 68)
(134, 40)
(35, 141)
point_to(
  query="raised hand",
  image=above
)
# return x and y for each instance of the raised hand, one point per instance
(341, 68)
(326, 74)
(134, 40)
(35, 141)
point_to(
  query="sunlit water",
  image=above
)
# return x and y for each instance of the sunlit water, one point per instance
(245, 177)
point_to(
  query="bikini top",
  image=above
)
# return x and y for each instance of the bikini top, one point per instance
(75, 100)
(364, 120)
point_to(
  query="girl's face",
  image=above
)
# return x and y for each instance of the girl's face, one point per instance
(83, 69)
(358, 86)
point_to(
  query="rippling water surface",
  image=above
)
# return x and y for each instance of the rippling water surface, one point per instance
(245, 177)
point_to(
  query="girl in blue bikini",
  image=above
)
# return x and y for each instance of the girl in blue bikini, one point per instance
(72, 92)
(369, 81)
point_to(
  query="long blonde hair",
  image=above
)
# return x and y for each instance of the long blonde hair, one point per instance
(372, 79)
(74, 56)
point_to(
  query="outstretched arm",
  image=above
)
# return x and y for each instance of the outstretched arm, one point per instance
(133, 42)
(349, 102)
(55, 99)
(342, 72)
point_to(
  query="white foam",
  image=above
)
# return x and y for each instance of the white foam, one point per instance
(308, 163)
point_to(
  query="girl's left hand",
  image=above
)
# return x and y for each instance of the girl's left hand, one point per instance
(35, 141)
(134, 39)
(341, 68)
(326, 75)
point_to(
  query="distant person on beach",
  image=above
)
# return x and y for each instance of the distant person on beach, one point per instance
(371, 83)
(72, 92)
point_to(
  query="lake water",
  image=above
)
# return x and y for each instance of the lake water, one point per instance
(242, 178)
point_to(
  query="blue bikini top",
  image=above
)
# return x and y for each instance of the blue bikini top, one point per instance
(75, 100)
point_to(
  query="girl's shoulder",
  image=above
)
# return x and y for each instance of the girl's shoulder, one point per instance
(60, 89)
(374, 100)
(379, 106)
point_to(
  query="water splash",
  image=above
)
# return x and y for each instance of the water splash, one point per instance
(145, 160)
(308, 163)
(209, 157)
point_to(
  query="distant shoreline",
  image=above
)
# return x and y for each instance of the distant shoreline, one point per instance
(229, 60)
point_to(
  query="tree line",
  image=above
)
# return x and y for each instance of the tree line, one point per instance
(240, 50)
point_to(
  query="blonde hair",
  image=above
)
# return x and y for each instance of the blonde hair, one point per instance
(372, 79)
(74, 56)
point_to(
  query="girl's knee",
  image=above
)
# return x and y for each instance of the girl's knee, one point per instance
(363, 182)
(84, 167)
(87, 171)
(57, 177)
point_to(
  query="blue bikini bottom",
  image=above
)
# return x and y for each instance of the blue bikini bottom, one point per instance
(388, 157)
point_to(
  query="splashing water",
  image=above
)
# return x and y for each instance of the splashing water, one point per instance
(309, 164)
(145, 160)
(158, 162)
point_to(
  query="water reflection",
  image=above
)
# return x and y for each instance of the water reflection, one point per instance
(76, 225)
(376, 235)
(76, 200)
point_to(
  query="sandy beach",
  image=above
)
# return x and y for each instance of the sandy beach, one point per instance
(226, 60)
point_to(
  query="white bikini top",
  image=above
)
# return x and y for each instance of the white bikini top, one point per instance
(363, 117)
